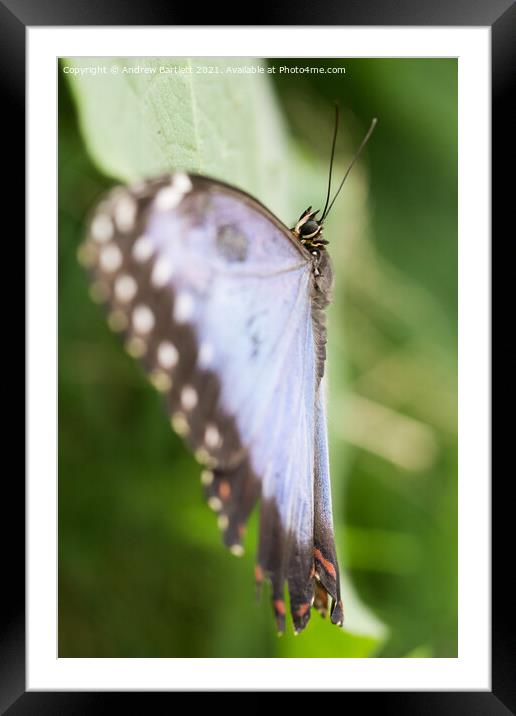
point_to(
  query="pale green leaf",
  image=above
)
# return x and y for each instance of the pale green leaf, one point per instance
(146, 116)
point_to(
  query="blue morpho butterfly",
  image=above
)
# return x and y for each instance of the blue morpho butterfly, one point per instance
(225, 305)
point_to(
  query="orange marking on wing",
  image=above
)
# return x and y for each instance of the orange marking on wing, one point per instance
(224, 490)
(279, 606)
(303, 609)
(321, 599)
(312, 572)
(258, 573)
(328, 566)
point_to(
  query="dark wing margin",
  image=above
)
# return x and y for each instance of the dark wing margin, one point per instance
(325, 557)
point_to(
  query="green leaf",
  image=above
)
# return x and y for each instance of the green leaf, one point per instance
(142, 117)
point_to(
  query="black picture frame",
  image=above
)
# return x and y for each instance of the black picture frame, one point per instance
(15, 17)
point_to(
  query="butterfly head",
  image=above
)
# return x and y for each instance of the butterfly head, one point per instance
(309, 231)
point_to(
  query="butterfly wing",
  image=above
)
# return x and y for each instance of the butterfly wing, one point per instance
(216, 298)
(326, 565)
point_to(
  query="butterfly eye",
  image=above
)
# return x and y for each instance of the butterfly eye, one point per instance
(309, 228)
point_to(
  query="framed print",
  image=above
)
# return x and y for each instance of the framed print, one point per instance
(258, 295)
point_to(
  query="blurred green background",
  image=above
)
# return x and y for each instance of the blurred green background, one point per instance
(142, 570)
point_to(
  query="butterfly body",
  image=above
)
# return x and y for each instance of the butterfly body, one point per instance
(224, 305)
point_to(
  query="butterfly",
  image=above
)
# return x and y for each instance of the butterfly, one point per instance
(225, 307)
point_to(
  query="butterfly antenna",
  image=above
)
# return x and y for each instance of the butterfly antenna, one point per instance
(357, 154)
(332, 155)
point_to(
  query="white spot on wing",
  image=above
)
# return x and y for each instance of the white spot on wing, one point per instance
(212, 436)
(223, 522)
(125, 213)
(170, 196)
(161, 272)
(117, 321)
(167, 355)
(87, 254)
(180, 424)
(161, 381)
(206, 353)
(101, 228)
(183, 307)
(110, 258)
(142, 249)
(206, 477)
(204, 457)
(215, 504)
(182, 182)
(189, 397)
(167, 198)
(125, 288)
(143, 319)
(136, 347)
